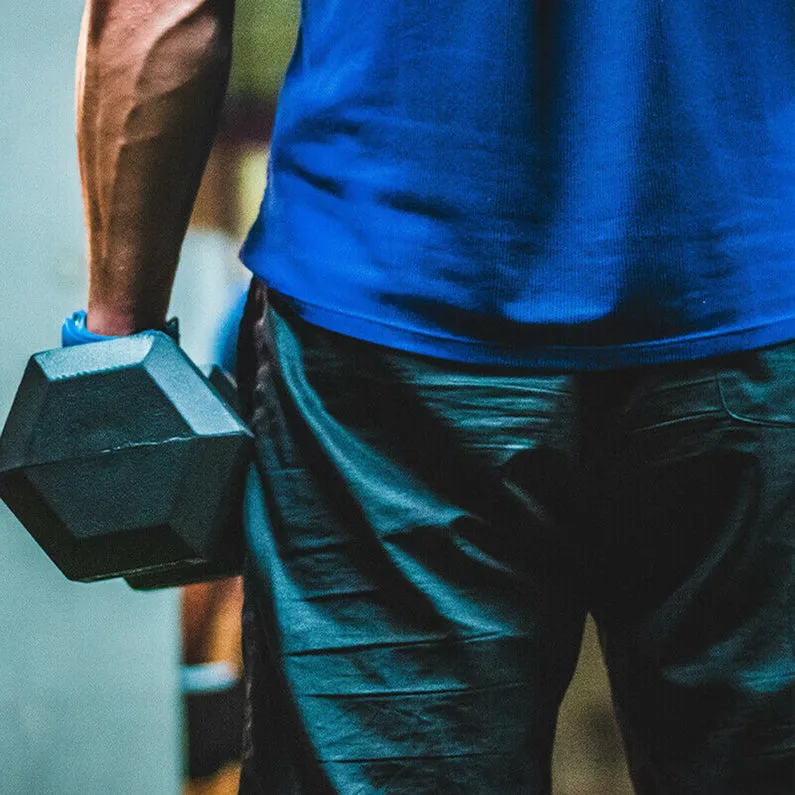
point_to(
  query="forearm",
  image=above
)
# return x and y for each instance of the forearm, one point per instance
(150, 85)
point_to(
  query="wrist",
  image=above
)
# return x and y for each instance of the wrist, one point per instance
(112, 323)
(75, 331)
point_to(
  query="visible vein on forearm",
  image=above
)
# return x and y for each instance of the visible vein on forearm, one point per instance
(151, 80)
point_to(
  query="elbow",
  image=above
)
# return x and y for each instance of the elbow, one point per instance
(196, 33)
(185, 29)
(192, 45)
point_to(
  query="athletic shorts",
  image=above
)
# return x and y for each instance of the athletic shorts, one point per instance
(426, 537)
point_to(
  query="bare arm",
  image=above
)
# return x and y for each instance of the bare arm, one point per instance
(151, 78)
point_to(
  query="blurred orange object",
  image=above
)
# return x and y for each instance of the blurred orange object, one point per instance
(211, 635)
(211, 622)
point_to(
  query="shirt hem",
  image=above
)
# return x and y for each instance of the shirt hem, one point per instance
(545, 357)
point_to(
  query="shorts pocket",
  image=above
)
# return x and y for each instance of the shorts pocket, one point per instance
(758, 387)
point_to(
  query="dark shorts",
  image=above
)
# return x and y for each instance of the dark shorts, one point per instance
(426, 538)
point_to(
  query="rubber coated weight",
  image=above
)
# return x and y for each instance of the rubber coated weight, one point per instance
(221, 565)
(121, 459)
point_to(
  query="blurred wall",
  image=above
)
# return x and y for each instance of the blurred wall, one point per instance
(89, 701)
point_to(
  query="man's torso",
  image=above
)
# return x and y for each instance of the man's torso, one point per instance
(567, 184)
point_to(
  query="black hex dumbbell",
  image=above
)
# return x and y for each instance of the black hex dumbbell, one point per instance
(123, 460)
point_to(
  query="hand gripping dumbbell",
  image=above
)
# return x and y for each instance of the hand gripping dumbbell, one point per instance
(122, 459)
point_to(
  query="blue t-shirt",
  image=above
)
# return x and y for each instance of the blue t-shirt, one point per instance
(584, 184)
